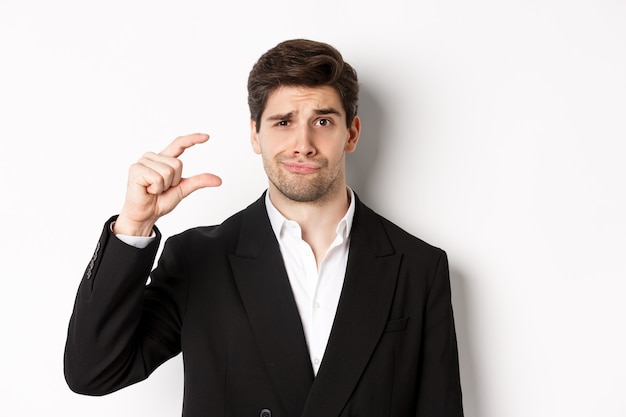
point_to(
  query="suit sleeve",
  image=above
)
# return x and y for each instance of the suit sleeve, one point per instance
(440, 386)
(119, 331)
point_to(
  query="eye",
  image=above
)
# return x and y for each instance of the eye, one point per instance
(282, 123)
(323, 122)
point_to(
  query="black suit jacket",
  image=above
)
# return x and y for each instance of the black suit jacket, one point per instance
(221, 296)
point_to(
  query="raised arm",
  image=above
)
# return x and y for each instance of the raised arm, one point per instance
(119, 331)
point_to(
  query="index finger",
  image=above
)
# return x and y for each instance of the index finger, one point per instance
(178, 145)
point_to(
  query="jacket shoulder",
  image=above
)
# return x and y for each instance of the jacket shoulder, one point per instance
(225, 235)
(399, 239)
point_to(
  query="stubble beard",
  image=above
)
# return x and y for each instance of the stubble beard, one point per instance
(304, 188)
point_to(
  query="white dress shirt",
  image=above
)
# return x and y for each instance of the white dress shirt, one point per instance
(316, 291)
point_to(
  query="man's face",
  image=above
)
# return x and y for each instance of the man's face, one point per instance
(303, 139)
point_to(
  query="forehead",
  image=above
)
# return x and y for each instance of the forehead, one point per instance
(294, 98)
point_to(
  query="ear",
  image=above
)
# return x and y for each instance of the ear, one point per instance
(254, 137)
(353, 135)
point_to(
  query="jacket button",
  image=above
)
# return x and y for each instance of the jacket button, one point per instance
(265, 413)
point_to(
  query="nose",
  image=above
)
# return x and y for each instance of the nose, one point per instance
(303, 144)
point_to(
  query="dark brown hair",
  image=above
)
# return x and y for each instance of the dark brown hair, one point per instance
(306, 63)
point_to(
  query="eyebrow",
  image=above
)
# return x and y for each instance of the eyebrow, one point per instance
(329, 110)
(287, 116)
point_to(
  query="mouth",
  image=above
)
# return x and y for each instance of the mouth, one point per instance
(301, 167)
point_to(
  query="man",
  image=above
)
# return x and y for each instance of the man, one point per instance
(306, 303)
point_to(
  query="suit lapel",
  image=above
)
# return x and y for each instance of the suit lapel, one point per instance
(361, 316)
(260, 274)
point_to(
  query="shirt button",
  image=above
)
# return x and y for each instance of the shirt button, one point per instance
(316, 361)
(316, 306)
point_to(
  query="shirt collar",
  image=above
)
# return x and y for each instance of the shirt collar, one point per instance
(277, 220)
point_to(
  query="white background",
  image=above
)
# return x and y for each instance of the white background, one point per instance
(493, 129)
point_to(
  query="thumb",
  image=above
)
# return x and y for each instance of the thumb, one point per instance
(191, 184)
